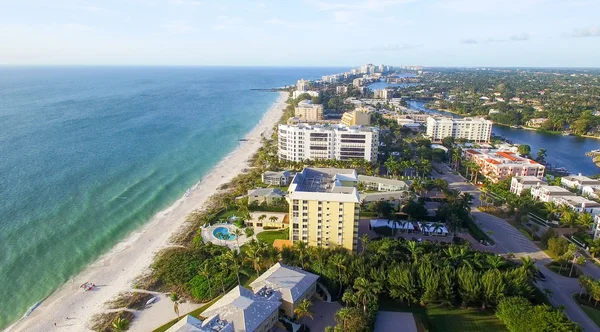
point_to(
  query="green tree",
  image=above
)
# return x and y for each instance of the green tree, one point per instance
(367, 291)
(303, 309)
(402, 284)
(524, 150)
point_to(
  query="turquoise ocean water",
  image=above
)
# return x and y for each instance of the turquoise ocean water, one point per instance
(88, 154)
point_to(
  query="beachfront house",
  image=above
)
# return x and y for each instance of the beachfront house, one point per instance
(292, 283)
(281, 178)
(579, 204)
(245, 311)
(277, 291)
(382, 184)
(265, 195)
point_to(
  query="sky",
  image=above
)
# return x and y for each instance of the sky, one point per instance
(521, 33)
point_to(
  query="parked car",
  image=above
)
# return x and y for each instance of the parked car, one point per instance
(539, 275)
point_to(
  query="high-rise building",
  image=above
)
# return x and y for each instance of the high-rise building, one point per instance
(341, 89)
(324, 207)
(472, 129)
(383, 94)
(300, 142)
(303, 85)
(306, 110)
(358, 82)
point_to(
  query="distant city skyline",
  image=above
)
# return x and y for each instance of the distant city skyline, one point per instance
(474, 33)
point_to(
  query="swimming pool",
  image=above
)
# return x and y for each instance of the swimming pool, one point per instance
(224, 231)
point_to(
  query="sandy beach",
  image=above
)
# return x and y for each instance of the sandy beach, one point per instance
(70, 308)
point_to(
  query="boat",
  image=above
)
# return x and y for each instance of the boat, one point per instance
(593, 153)
(151, 300)
(566, 133)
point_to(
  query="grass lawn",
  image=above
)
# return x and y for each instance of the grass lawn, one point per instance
(271, 236)
(442, 319)
(591, 311)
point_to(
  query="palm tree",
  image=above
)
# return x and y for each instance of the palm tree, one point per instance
(235, 258)
(528, 265)
(301, 248)
(414, 249)
(254, 255)
(303, 310)
(262, 218)
(339, 261)
(585, 221)
(120, 324)
(570, 219)
(595, 247)
(206, 273)
(541, 155)
(553, 209)
(273, 219)
(366, 290)
(495, 262)
(364, 240)
(237, 232)
(249, 232)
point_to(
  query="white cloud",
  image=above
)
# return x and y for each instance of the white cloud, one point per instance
(343, 16)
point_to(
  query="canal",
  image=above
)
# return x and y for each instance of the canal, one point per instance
(562, 151)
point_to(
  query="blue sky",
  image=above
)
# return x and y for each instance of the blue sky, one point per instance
(301, 32)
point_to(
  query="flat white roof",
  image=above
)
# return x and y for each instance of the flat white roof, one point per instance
(401, 224)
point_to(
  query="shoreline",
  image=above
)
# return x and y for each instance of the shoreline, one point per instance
(69, 308)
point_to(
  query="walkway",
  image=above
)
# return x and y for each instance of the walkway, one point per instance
(509, 240)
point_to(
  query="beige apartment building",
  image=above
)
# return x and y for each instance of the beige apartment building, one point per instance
(324, 207)
(357, 117)
(308, 111)
(497, 164)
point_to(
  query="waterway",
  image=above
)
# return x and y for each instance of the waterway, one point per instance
(562, 151)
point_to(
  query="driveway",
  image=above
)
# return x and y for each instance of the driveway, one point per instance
(323, 315)
(509, 240)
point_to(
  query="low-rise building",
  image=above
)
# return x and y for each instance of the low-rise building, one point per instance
(549, 193)
(472, 129)
(281, 178)
(298, 93)
(292, 283)
(265, 195)
(520, 183)
(578, 181)
(341, 89)
(357, 117)
(309, 111)
(382, 184)
(497, 165)
(301, 142)
(591, 191)
(383, 94)
(536, 122)
(579, 204)
(242, 310)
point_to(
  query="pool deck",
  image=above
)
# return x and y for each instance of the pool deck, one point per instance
(208, 236)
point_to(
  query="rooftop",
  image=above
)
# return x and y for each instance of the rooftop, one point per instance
(290, 281)
(580, 178)
(577, 201)
(375, 179)
(332, 184)
(527, 179)
(274, 192)
(243, 309)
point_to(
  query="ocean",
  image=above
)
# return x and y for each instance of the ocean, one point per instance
(89, 154)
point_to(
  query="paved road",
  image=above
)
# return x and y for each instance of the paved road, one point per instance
(509, 240)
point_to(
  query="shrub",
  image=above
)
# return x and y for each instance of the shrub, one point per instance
(519, 315)
(550, 233)
(558, 246)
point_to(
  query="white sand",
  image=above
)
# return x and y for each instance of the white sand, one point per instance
(115, 271)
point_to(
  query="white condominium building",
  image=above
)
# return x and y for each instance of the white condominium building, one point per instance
(300, 142)
(383, 94)
(311, 93)
(306, 110)
(472, 129)
(303, 85)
